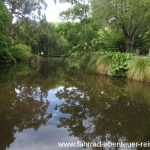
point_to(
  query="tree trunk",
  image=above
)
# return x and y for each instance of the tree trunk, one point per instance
(130, 37)
(129, 44)
(149, 53)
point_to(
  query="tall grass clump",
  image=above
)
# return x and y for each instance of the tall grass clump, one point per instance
(107, 63)
(139, 69)
(85, 59)
(95, 63)
(92, 64)
(103, 64)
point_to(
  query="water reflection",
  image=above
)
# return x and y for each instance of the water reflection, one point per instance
(106, 110)
(17, 115)
(61, 106)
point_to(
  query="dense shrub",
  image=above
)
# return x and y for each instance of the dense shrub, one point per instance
(119, 64)
(21, 52)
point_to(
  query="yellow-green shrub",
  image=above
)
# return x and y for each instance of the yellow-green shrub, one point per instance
(21, 52)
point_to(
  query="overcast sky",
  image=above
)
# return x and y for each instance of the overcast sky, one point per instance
(53, 10)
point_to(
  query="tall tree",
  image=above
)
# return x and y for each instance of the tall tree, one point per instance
(78, 11)
(5, 41)
(129, 15)
(24, 8)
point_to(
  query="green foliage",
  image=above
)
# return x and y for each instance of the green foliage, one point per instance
(6, 57)
(5, 18)
(62, 45)
(108, 38)
(78, 11)
(76, 55)
(120, 63)
(143, 41)
(22, 70)
(107, 63)
(92, 26)
(79, 35)
(21, 52)
(73, 65)
(139, 69)
(40, 36)
(25, 8)
(5, 41)
(130, 16)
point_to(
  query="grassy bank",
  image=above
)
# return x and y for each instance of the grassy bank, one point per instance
(117, 64)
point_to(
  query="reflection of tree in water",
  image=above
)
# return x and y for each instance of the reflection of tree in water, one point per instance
(50, 67)
(23, 101)
(19, 113)
(74, 106)
(23, 98)
(99, 108)
(105, 110)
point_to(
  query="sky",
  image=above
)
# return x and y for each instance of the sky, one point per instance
(53, 10)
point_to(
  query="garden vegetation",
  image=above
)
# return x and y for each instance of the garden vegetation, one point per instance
(104, 36)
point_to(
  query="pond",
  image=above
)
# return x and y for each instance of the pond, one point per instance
(42, 106)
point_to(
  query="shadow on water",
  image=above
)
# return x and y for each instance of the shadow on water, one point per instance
(95, 108)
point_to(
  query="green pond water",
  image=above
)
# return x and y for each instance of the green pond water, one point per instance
(46, 104)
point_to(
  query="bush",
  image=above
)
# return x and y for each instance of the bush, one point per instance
(120, 63)
(21, 52)
(139, 69)
(107, 63)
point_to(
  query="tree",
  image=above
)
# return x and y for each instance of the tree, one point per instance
(78, 11)
(5, 41)
(40, 36)
(129, 15)
(79, 28)
(24, 8)
(143, 41)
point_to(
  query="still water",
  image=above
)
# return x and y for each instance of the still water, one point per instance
(46, 104)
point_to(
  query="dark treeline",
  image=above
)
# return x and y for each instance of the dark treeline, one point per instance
(87, 26)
